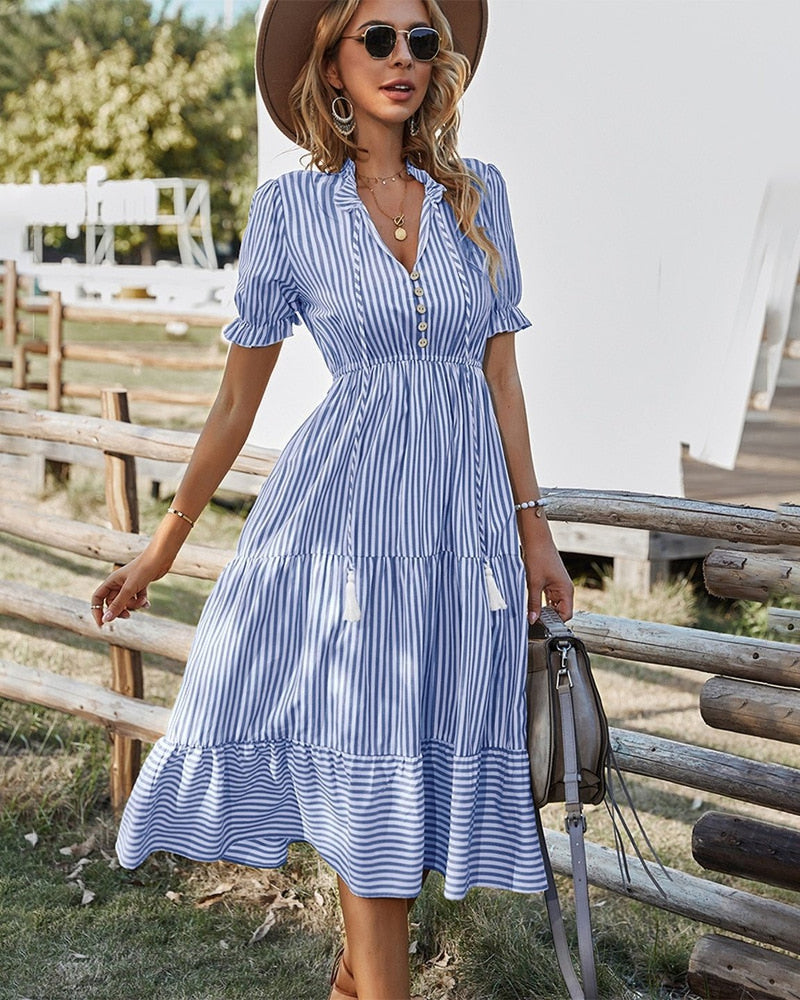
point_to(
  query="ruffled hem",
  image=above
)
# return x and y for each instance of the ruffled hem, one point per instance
(377, 821)
(245, 334)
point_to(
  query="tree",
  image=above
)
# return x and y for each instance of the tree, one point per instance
(109, 111)
(161, 99)
(30, 35)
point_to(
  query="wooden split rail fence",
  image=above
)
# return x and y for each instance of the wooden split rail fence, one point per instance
(18, 339)
(754, 685)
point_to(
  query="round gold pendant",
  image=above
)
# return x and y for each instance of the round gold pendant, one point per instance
(400, 234)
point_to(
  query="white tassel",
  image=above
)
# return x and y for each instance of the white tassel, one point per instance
(352, 612)
(496, 600)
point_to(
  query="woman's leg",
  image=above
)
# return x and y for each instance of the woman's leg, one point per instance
(345, 980)
(377, 944)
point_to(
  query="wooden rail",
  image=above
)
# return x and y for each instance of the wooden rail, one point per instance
(201, 561)
(750, 576)
(762, 710)
(784, 623)
(107, 435)
(737, 845)
(764, 920)
(723, 969)
(771, 785)
(695, 649)
(733, 522)
(126, 716)
(157, 636)
(58, 351)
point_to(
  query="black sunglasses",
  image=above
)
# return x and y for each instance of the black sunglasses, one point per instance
(380, 41)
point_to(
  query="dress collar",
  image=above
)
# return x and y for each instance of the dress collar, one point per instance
(346, 196)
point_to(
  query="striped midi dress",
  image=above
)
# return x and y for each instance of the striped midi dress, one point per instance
(357, 677)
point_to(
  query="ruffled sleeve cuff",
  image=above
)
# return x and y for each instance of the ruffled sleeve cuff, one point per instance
(507, 319)
(246, 334)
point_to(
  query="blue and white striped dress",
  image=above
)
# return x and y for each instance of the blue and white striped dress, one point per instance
(358, 674)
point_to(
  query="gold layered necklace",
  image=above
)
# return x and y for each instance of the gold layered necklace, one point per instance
(399, 220)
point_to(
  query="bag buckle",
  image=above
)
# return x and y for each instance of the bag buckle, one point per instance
(575, 817)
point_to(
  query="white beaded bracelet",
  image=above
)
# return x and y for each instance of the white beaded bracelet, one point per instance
(537, 504)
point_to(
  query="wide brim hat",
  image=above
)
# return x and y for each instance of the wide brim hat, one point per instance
(286, 34)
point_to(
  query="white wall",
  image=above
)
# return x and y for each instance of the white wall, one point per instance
(637, 138)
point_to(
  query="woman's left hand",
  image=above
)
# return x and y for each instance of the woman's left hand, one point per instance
(545, 572)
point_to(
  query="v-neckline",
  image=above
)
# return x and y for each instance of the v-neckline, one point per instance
(432, 192)
(377, 233)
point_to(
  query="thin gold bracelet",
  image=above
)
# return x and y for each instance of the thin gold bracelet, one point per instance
(179, 513)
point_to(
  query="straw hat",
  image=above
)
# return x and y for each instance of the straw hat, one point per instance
(286, 34)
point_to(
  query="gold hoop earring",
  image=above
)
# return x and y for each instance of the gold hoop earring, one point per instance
(343, 122)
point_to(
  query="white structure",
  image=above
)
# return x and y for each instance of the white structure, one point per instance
(100, 205)
(638, 140)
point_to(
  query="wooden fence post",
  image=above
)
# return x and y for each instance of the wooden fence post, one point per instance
(10, 303)
(55, 346)
(126, 664)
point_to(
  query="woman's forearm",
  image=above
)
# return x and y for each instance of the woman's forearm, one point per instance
(512, 419)
(222, 438)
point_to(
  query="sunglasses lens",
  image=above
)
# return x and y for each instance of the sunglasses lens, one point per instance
(424, 43)
(380, 40)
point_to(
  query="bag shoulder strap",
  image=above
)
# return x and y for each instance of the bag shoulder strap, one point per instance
(576, 826)
(556, 919)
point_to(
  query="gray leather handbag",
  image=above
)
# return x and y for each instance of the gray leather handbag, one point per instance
(571, 761)
(568, 748)
(559, 682)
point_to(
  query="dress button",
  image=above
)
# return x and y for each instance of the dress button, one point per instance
(422, 327)
(414, 275)
(421, 307)
(423, 342)
(418, 291)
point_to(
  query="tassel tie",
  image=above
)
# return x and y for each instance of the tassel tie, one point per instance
(352, 611)
(496, 599)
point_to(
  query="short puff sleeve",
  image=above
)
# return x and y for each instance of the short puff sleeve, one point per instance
(496, 216)
(265, 297)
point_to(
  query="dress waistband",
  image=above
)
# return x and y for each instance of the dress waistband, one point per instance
(431, 359)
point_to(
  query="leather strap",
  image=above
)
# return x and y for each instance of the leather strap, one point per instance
(552, 621)
(556, 919)
(575, 825)
(575, 822)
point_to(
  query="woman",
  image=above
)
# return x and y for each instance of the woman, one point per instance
(357, 677)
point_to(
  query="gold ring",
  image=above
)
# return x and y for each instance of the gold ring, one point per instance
(97, 607)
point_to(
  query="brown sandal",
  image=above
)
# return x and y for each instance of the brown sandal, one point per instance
(336, 992)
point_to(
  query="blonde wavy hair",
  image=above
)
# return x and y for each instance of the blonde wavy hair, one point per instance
(435, 146)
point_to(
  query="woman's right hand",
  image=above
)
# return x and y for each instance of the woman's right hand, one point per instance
(125, 590)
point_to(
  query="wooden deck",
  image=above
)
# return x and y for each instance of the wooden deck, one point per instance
(767, 472)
